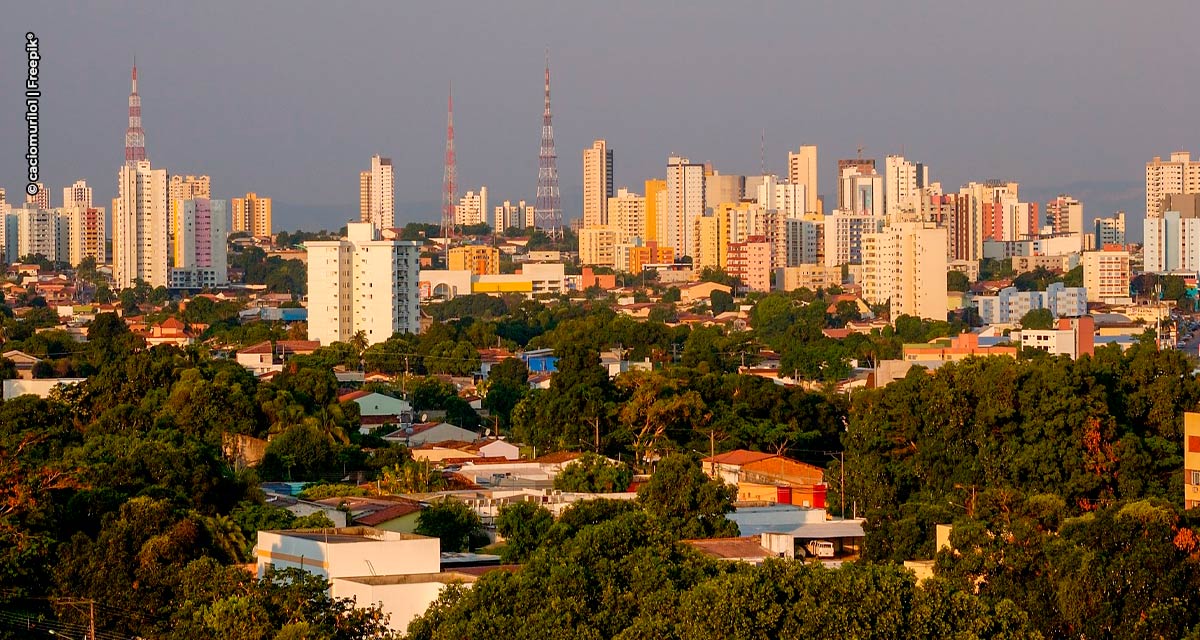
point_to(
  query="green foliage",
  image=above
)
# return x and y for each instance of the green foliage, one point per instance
(1037, 319)
(685, 502)
(301, 452)
(721, 301)
(451, 521)
(332, 490)
(524, 525)
(957, 281)
(593, 473)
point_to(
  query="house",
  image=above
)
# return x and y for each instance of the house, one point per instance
(387, 513)
(430, 432)
(491, 449)
(170, 331)
(23, 361)
(400, 572)
(959, 347)
(371, 403)
(769, 478)
(701, 291)
(270, 356)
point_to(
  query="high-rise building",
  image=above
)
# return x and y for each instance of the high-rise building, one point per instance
(1008, 219)
(480, 260)
(970, 223)
(509, 216)
(140, 226)
(903, 181)
(685, 203)
(720, 188)
(802, 170)
(1180, 174)
(597, 246)
(9, 246)
(627, 215)
(844, 232)
(38, 234)
(750, 262)
(597, 183)
(905, 263)
(77, 195)
(41, 199)
(1172, 238)
(656, 211)
(180, 188)
(251, 214)
(472, 208)
(201, 229)
(863, 166)
(342, 296)
(1106, 275)
(1064, 214)
(85, 232)
(377, 194)
(1110, 230)
(862, 190)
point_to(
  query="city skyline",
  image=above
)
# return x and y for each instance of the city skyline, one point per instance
(304, 148)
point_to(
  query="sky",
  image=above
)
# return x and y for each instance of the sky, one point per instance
(291, 99)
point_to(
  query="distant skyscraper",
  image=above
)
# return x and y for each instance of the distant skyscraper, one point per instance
(548, 212)
(903, 181)
(864, 166)
(180, 188)
(38, 234)
(84, 231)
(1110, 230)
(377, 194)
(656, 212)
(862, 190)
(685, 203)
(597, 183)
(509, 215)
(140, 226)
(41, 199)
(1064, 214)
(905, 263)
(77, 195)
(201, 229)
(802, 169)
(472, 208)
(252, 214)
(1180, 174)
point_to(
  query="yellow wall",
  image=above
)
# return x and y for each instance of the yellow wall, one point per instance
(525, 286)
(653, 187)
(479, 260)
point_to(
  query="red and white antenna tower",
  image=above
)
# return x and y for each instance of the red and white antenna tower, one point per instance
(135, 139)
(449, 176)
(548, 207)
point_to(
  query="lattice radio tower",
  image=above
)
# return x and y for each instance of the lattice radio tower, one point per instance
(450, 176)
(135, 138)
(548, 207)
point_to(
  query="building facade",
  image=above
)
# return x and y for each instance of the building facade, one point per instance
(905, 263)
(802, 169)
(251, 214)
(201, 232)
(1106, 275)
(472, 208)
(478, 259)
(140, 250)
(903, 182)
(342, 296)
(77, 195)
(377, 194)
(685, 203)
(597, 183)
(1179, 174)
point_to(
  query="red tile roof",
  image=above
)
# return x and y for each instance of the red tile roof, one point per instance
(739, 457)
(392, 512)
(353, 395)
(558, 457)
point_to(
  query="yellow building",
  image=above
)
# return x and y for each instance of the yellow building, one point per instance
(597, 246)
(712, 241)
(627, 215)
(597, 184)
(478, 259)
(656, 204)
(1191, 460)
(252, 214)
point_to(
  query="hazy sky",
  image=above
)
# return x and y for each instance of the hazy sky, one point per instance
(291, 99)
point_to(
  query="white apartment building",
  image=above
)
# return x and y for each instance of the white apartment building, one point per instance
(201, 231)
(140, 248)
(39, 233)
(685, 204)
(627, 215)
(508, 215)
(77, 195)
(597, 183)
(802, 170)
(1010, 305)
(862, 193)
(903, 181)
(342, 296)
(905, 263)
(377, 194)
(1106, 275)
(1172, 243)
(1179, 174)
(472, 208)
(1110, 230)
(844, 232)
(85, 232)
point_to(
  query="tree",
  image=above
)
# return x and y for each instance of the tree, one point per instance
(957, 281)
(593, 473)
(1037, 319)
(672, 294)
(451, 521)
(721, 301)
(686, 502)
(524, 526)
(301, 452)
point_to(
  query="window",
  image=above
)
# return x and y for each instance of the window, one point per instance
(1193, 445)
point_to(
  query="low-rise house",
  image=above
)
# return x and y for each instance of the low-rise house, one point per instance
(769, 478)
(270, 356)
(170, 331)
(430, 433)
(23, 361)
(959, 347)
(701, 291)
